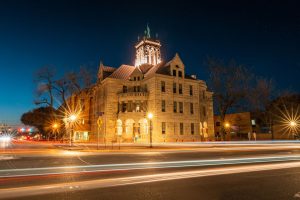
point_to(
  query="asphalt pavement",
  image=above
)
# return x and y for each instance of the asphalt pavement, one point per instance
(240, 171)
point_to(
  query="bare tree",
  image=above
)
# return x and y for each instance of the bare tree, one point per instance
(62, 88)
(45, 79)
(260, 97)
(231, 84)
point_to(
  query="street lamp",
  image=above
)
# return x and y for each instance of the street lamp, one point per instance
(72, 118)
(150, 116)
(227, 125)
(293, 125)
(54, 127)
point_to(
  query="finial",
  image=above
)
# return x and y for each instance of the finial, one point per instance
(147, 32)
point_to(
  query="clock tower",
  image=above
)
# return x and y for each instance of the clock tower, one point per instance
(147, 50)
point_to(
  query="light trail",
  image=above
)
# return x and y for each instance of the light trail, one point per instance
(105, 183)
(6, 173)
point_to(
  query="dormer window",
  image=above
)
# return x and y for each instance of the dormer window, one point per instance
(174, 72)
(138, 78)
(180, 74)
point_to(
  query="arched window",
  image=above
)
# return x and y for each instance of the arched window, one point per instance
(129, 126)
(119, 127)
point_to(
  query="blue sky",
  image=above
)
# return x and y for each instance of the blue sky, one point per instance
(264, 35)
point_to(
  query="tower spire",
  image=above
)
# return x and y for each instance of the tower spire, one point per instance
(147, 32)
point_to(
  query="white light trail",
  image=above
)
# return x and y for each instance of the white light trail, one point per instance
(145, 165)
(105, 183)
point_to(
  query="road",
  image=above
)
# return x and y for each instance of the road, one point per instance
(221, 171)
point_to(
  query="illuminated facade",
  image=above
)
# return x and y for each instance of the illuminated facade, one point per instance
(181, 105)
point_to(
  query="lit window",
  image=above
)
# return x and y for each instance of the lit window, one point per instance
(137, 109)
(253, 122)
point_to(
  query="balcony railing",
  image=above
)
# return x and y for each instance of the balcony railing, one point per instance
(133, 94)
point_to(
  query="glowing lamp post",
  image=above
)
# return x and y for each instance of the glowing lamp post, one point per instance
(55, 127)
(150, 116)
(72, 119)
(293, 125)
(227, 127)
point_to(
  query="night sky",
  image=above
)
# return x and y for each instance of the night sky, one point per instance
(264, 35)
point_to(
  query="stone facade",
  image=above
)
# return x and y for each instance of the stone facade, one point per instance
(120, 101)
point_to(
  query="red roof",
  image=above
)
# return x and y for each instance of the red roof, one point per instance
(123, 72)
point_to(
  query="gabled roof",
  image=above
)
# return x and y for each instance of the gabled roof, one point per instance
(145, 68)
(123, 72)
(108, 69)
(161, 68)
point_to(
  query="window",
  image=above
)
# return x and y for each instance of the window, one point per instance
(134, 88)
(180, 88)
(174, 72)
(192, 128)
(218, 123)
(82, 104)
(175, 106)
(124, 105)
(163, 106)
(204, 111)
(138, 78)
(253, 122)
(191, 90)
(163, 127)
(138, 88)
(137, 108)
(124, 89)
(174, 87)
(181, 128)
(134, 78)
(163, 86)
(180, 74)
(191, 108)
(180, 107)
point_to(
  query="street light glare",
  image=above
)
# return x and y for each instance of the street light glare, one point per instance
(150, 115)
(55, 125)
(227, 125)
(73, 117)
(293, 123)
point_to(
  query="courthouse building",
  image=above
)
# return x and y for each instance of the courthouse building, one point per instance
(117, 105)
